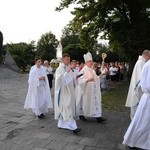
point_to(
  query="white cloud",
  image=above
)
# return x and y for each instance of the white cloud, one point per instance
(26, 20)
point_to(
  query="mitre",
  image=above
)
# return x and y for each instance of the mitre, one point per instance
(87, 57)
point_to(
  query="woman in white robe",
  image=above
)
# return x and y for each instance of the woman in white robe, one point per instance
(38, 97)
(138, 133)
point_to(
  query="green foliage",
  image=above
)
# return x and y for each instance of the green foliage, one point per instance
(125, 22)
(46, 46)
(97, 51)
(1, 59)
(75, 52)
(22, 53)
(112, 54)
(71, 44)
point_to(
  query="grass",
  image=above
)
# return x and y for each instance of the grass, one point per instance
(115, 98)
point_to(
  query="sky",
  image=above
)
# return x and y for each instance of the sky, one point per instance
(27, 20)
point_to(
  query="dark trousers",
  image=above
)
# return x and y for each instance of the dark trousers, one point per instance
(50, 79)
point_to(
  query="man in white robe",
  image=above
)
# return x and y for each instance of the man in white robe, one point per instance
(88, 92)
(138, 133)
(49, 72)
(75, 71)
(38, 97)
(135, 93)
(65, 96)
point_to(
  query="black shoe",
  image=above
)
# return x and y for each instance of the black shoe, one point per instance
(76, 130)
(82, 118)
(100, 119)
(133, 148)
(42, 115)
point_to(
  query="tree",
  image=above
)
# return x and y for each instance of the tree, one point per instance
(71, 44)
(122, 21)
(116, 49)
(99, 48)
(46, 46)
(22, 53)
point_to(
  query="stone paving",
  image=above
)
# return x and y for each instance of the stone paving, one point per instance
(21, 130)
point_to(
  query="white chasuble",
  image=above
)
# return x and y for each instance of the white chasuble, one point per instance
(134, 93)
(64, 94)
(138, 133)
(38, 96)
(88, 94)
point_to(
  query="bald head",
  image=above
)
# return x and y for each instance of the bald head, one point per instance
(146, 54)
(45, 63)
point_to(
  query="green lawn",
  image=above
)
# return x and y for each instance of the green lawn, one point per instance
(115, 98)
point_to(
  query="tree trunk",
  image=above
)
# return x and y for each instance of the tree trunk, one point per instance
(131, 67)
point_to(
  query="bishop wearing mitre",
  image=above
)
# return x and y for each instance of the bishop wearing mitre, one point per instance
(88, 93)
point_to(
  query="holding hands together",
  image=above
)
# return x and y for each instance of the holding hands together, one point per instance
(42, 78)
(90, 80)
(69, 68)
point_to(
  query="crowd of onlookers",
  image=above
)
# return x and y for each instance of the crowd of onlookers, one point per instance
(110, 73)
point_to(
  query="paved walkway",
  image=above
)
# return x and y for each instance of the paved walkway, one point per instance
(21, 130)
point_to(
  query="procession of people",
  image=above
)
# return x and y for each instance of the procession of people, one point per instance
(138, 132)
(77, 93)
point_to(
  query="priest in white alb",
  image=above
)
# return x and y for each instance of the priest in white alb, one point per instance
(138, 133)
(88, 93)
(38, 97)
(65, 96)
(134, 93)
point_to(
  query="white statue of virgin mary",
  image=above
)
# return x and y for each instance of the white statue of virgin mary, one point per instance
(59, 52)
